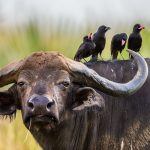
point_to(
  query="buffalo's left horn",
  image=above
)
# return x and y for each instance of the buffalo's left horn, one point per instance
(91, 78)
(9, 73)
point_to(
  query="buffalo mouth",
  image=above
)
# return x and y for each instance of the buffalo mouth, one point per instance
(41, 121)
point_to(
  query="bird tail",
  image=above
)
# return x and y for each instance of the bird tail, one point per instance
(76, 58)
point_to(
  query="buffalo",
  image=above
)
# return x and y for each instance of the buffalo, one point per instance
(66, 105)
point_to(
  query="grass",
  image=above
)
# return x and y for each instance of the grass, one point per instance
(13, 136)
(16, 43)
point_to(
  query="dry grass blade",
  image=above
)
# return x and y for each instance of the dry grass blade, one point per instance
(26, 137)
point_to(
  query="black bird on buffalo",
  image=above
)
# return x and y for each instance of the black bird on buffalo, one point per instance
(118, 43)
(99, 39)
(85, 49)
(135, 39)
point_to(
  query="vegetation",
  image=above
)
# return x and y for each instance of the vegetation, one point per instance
(18, 42)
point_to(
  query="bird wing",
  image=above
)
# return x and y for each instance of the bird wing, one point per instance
(134, 42)
(79, 51)
(114, 43)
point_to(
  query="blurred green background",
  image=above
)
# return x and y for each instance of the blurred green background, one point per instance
(64, 35)
(18, 42)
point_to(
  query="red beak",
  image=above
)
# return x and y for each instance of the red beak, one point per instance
(123, 42)
(141, 27)
(90, 36)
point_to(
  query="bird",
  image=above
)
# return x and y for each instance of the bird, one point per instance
(85, 49)
(118, 43)
(99, 39)
(135, 39)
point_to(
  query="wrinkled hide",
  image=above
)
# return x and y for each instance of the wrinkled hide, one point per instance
(125, 121)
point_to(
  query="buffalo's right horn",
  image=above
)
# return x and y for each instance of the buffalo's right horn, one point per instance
(89, 77)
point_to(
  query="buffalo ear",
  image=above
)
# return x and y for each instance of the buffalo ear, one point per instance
(88, 99)
(7, 105)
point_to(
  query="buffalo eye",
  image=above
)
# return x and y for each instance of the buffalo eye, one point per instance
(21, 83)
(65, 84)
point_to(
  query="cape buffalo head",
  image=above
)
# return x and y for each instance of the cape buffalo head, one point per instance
(48, 86)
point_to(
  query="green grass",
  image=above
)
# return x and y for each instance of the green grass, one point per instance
(18, 42)
(13, 136)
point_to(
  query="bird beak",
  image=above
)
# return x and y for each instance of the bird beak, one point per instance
(123, 42)
(107, 28)
(141, 27)
(90, 36)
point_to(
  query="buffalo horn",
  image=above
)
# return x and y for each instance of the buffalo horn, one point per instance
(89, 77)
(9, 72)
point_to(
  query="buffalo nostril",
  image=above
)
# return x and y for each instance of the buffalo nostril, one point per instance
(49, 105)
(30, 105)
